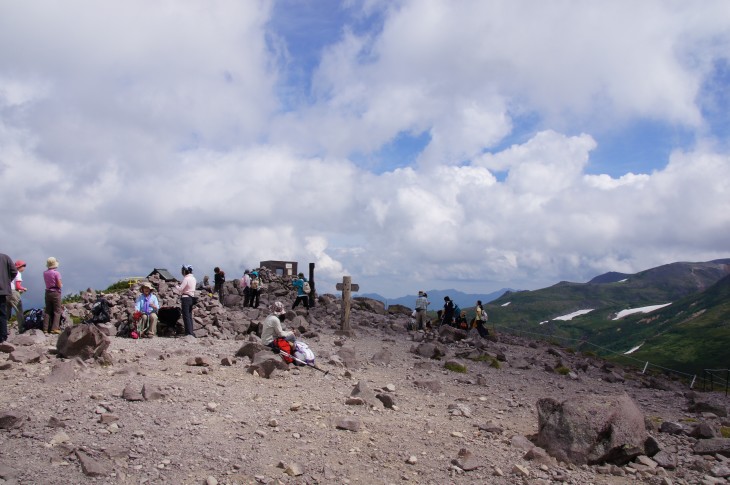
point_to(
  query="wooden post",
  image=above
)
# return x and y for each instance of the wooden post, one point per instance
(312, 298)
(346, 287)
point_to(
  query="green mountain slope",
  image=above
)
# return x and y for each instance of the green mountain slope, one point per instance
(664, 332)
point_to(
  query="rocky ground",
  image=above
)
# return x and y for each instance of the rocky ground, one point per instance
(186, 410)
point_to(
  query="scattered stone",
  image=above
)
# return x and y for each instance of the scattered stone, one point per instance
(92, 467)
(466, 460)
(386, 399)
(132, 393)
(10, 420)
(520, 471)
(348, 423)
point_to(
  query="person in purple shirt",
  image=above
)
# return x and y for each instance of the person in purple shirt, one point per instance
(54, 309)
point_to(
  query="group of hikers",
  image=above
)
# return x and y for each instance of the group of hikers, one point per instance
(450, 315)
(11, 289)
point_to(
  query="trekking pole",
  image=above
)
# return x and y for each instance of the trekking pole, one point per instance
(303, 362)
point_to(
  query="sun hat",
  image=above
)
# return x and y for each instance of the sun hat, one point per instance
(19, 263)
(51, 263)
(146, 284)
(278, 308)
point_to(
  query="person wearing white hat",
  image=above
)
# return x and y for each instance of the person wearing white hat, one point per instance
(147, 305)
(272, 325)
(54, 309)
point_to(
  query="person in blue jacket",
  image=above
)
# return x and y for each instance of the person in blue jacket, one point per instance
(302, 294)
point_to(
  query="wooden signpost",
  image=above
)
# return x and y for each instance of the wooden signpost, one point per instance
(346, 287)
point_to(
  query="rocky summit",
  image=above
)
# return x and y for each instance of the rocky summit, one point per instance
(382, 406)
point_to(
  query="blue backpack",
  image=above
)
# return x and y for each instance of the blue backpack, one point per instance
(33, 318)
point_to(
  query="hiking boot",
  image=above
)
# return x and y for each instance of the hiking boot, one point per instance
(55, 332)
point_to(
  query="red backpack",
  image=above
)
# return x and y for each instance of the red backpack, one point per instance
(283, 344)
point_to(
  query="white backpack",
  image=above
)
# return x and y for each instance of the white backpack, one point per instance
(306, 288)
(303, 352)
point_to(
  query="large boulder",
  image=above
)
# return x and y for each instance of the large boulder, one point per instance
(84, 341)
(592, 429)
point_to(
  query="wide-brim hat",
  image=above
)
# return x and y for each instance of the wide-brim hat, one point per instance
(51, 263)
(146, 284)
(278, 308)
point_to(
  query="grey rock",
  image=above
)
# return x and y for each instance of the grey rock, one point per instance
(592, 429)
(348, 423)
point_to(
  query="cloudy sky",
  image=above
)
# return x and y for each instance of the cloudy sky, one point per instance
(411, 144)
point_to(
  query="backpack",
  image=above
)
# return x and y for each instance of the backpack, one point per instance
(457, 310)
(33, 318)
(303, 353)
(254, 283)
(100, 312)
(283, 344)
(306, 288)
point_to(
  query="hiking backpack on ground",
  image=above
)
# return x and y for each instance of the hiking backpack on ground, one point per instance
(286, 346)
(101, 311)
(303, 353)
(33, 318)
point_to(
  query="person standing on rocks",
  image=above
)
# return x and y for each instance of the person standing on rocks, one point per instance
(272, 328)
(302, 294)
(481, 320)
(187, 297)
(16, 290)
(246, 285)
(421, 308)
(255, 289)
(448, 314)
(54, 309)
(147, 305)
(219, 277)
(7, 274)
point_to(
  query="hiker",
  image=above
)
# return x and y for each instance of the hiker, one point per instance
(421, 308)
(481, 320)
(54, 309)
(448, 314)
(461, 322)
(16, 290)
(255, 289)
(186, 288)
(147, 305)
(246, 285)
(302, 294)
(272, 328)
(219, 277)
(7, 274)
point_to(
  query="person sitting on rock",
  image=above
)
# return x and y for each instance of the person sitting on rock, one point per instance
(147, 305)
(272, 328)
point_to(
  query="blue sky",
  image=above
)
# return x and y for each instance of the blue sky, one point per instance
(410, 144)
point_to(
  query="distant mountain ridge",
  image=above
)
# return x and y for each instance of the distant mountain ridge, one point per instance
(694, 295)
(436, 297)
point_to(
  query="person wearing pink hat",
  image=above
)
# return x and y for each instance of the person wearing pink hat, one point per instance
(17, 289)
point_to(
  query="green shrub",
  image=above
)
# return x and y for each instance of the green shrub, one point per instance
(725, 431)
(589, 353)
(562, 370)
(454, 367)
(495, 364)
(118, 287)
